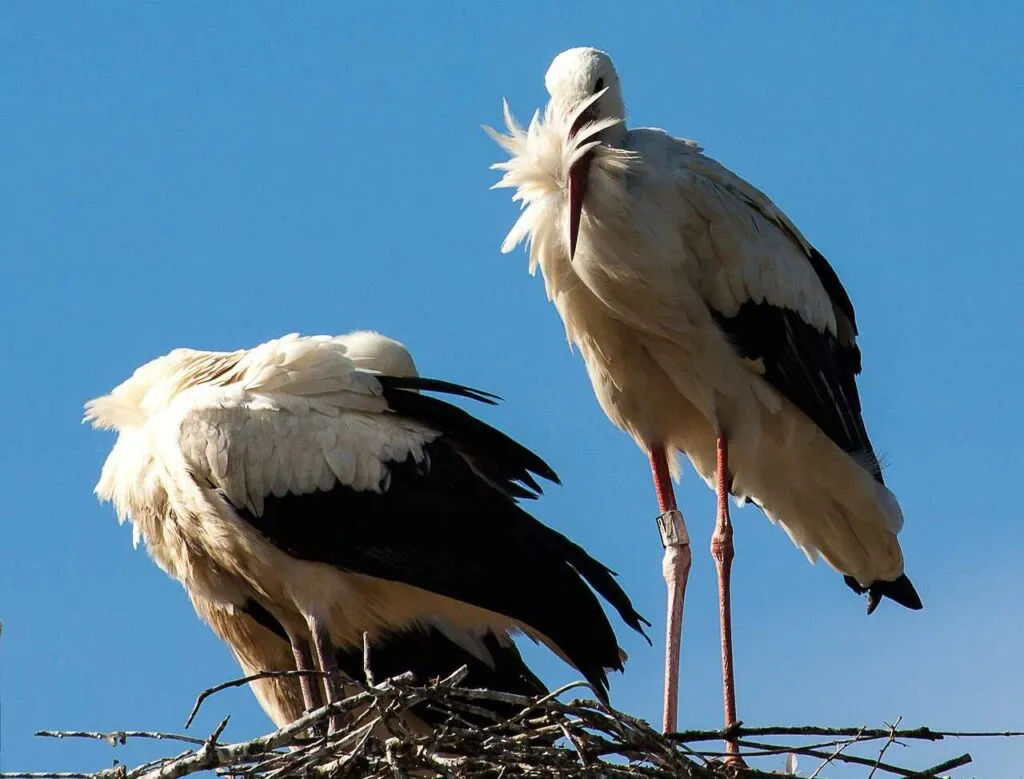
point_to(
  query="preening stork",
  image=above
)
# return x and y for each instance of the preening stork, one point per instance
(306, 489)
(260, 643)
(708, 325)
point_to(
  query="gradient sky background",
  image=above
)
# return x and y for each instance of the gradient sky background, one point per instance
(213, 176)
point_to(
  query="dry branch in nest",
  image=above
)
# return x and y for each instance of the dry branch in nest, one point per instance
(549, 737)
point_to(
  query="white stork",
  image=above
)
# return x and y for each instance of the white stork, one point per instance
(293, 485)
(708, 325)
(260, 643)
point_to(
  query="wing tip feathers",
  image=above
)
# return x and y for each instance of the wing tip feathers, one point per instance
(901, 590)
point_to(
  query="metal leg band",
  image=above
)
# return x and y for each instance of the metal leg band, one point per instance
(672, 528)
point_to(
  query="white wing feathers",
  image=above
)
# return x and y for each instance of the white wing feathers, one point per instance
(291, 415)
(315, 368)
(261, 448)
(757, 253)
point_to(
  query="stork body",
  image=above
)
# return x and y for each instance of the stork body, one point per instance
(294, 481)
(708, 325)
(260, 643)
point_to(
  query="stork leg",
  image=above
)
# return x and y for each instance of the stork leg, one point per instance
(310, 686)
(723, 552)
(675, 567)
(327, 660)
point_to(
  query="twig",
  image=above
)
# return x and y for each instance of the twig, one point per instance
(146, 767)
(278, 757)
(118, 736)
(238, 683)
(575, 744)
(367, 671)
(892, 769)
(226, 755)
(955, 762)
(840, 748)
(455, 678)
(211, 742)
(520, 700)
(888, 743)
(45, 775)
(925, 734)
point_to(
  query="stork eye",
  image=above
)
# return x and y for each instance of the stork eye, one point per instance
(599, 85)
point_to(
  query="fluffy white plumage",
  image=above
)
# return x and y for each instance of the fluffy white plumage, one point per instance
(247, 474)
(293, 415)
(255, 647)
(670, 245)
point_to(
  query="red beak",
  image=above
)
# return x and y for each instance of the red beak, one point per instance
(578, 175)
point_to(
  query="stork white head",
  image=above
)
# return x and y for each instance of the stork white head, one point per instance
(376, 352)
(576, 75)
(585, 88)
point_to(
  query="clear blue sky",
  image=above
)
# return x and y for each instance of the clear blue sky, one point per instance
(213, 176)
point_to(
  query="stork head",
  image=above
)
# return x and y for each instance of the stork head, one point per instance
(376, 352)
(585, 89)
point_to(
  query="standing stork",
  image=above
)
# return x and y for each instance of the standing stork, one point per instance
(708, 325)
(296, 486)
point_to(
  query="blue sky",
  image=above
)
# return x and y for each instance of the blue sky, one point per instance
(213, 176)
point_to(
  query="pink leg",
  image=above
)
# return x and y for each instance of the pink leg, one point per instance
(325, 656)
(675, 567)
(310, 685)
(723, 552)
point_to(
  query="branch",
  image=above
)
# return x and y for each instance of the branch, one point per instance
(840, 748)
(238, 683)
(925, 734)
(115, 737)
(892, 769)
(367, 671)
(956, 762)
(888, 743)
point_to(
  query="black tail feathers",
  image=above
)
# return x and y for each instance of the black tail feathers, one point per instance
(900, 590)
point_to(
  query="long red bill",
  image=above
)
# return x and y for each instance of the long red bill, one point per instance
(579, 173)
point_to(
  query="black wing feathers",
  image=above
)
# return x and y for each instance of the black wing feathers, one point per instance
(441, 528)
(498, 457)
(817, 372)
(810, 368)
(438, 385)
(450, 525)
(833, 286)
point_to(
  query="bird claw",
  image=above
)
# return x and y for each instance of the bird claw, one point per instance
(672, 528)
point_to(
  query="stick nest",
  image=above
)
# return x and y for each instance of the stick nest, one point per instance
(549, 737)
